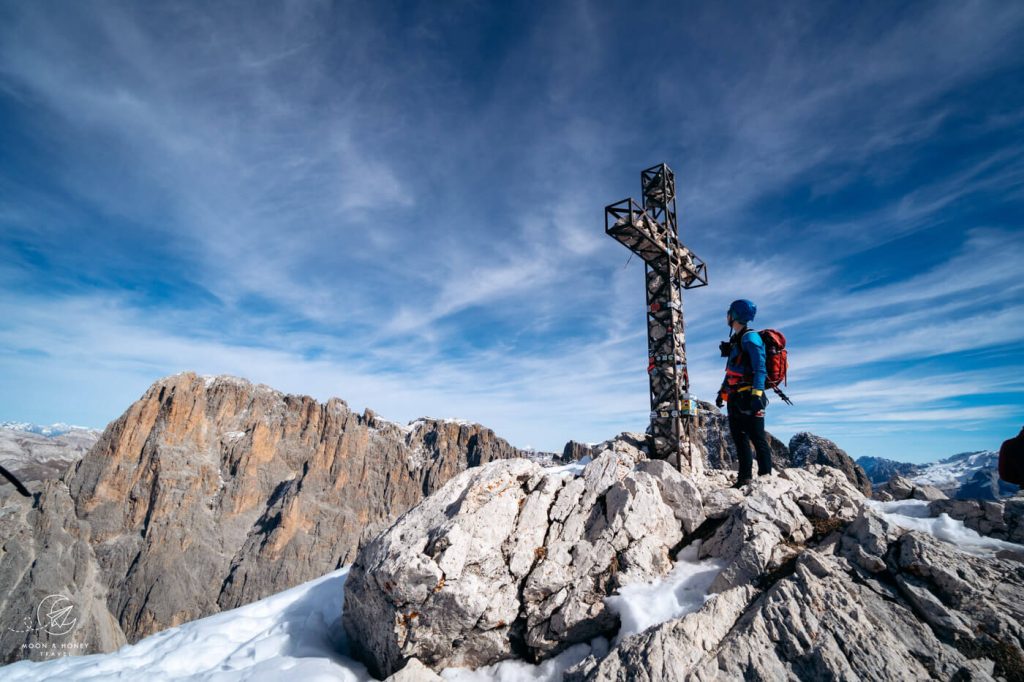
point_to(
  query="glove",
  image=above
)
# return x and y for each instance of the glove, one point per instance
(758, 400)
(719, 402)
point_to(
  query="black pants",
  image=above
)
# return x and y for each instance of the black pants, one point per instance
(746, 428)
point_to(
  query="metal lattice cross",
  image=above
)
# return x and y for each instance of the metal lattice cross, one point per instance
(651, 232)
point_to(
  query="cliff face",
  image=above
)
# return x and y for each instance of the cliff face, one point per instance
(45, 556)
(880, 470)
(209, 493)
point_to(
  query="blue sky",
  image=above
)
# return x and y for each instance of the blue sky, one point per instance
(401, 204)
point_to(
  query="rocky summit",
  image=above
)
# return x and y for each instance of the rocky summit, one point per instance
(212, 492)
(513, 558)
(815, 581)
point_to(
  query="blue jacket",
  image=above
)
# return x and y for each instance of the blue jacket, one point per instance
(746, 368)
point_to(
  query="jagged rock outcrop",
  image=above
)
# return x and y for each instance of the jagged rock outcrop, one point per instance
(851, 600)
(45, 551)
(779, 516)
(900, 488)
(513, 558)
(575, 451)
(806, 449)
(210, 493)
(881, 470)
(816, 584)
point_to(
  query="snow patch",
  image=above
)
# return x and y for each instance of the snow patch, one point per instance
(574, 469)
(550, 670)
(416, 424)
(295, 634)
(913, 515)
(417, 458)
(684, 590)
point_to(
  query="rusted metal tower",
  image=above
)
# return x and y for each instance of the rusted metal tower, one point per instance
(652, 233)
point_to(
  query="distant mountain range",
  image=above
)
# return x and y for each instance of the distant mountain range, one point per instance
(37, 453)
(51, 431)
(967, 475)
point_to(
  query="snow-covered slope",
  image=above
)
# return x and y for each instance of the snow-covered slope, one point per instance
(968, 475)
(289, 634)
(297, 634)
(956, 470)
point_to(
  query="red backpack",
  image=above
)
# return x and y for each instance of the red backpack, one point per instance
(776, 360)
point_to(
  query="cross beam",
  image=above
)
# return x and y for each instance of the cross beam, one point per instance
(651, 232)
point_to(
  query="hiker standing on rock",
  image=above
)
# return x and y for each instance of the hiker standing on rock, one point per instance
(743, 389)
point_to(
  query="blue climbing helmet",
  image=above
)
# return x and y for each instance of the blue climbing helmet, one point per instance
(742, 311)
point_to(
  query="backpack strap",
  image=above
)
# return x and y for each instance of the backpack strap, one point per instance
(741, 356)
(739, 339)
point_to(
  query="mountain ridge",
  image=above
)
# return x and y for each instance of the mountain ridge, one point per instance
(211, 492)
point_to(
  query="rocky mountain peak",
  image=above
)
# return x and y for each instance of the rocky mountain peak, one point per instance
(212, 492)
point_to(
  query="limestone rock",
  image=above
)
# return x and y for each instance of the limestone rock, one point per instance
(763, 532)
(927, 493)
(862, 600)
(806, 448)
(679, 492)
(900, 488)
(719, 503)
(575, 451)
(509, 557)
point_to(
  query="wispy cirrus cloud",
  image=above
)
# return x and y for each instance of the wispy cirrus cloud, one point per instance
(404, 208)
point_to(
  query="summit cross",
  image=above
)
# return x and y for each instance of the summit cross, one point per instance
(651, 231)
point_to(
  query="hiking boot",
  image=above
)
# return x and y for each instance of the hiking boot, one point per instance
(741, 483)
